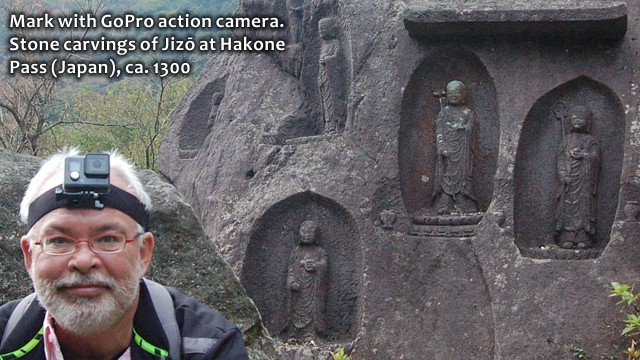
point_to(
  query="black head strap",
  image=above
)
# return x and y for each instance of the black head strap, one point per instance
(116, 198)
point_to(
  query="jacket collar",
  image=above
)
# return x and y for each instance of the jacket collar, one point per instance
(145, 322)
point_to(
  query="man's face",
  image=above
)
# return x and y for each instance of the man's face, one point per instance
(87, 292)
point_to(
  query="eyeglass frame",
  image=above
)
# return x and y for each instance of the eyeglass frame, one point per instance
(89, 242)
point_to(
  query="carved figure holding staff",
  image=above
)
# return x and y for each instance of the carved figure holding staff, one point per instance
(455, 128)
(306, 281)
(578, 169)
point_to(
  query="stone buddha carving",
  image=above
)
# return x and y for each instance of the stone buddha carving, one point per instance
(578, 169)
(306, 283)
(453, 190)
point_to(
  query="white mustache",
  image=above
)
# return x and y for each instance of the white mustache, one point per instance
(76, 279)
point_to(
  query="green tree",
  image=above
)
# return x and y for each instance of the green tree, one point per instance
(132, 116)
(29, 105)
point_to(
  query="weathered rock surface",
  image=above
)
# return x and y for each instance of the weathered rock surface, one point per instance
(565, 19)
(506, 291)
(184, 257)
(14, 177)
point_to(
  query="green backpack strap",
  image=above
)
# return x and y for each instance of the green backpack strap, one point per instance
(17, 314)
(163, 304)
(14, 319)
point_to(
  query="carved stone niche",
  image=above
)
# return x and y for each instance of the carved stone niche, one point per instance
(537, 184)
(275, 242)
(200, 118)
(325, 80)
(418, 155)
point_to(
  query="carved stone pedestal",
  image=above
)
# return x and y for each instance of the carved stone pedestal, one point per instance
(554, 252)
(445, 225)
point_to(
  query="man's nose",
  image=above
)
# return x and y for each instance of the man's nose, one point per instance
(83, 259)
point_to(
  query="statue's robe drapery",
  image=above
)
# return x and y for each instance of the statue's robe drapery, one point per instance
(306, 310)
(455, 126)
(578, 183)
(332, 82)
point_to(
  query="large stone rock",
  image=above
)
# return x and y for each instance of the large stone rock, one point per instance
(399, 274)
(15, 174)
(183, 257)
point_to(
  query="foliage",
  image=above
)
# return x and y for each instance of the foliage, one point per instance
(39, 114)
(29, 105)
(630, 301)
(340, 355)
(25, 107)
(578, 352)
(581, 354)
(131, 116)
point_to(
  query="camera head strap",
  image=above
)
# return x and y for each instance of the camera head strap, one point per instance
(114, 198)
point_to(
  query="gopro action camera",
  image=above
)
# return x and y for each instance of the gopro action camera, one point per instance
(87, 174)
(86, 186)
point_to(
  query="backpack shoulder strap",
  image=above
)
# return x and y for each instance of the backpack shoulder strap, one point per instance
(163, 305)
(17, 314)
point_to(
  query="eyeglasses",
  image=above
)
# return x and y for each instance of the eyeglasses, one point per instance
(101, 244)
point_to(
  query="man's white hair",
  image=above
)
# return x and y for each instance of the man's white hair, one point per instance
(53, 168)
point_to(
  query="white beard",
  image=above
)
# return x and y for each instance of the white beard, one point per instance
(87, 315)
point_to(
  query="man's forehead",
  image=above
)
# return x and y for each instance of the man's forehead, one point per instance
(90, 220)
(118, 198)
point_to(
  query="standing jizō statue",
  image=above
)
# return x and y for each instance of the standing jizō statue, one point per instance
(332, 77)
(578, 170)
(306, 281)
(455, 128)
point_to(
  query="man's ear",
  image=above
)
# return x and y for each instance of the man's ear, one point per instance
(146, 251)
(25, 245)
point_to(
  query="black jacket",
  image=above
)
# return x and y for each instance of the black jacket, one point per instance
(205, 333)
